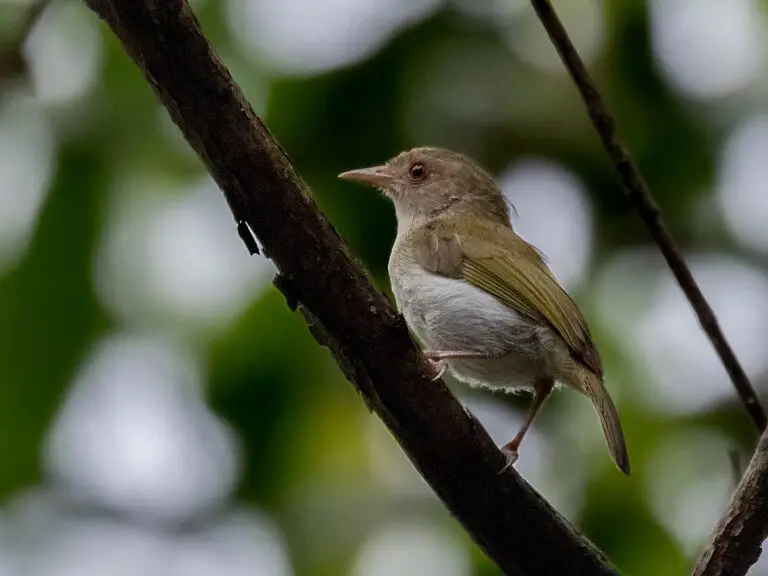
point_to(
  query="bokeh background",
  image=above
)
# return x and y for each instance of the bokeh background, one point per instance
(162, 412)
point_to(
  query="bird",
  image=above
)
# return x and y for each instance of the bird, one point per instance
(483, 303)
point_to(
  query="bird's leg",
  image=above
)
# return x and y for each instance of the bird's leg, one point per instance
(541, 391)
(437, 359)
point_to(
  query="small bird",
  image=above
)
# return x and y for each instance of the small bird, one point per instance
(480, 298)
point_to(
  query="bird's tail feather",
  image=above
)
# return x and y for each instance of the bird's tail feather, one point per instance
(609, 419)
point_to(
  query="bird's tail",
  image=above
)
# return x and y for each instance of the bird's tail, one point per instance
(609, 418)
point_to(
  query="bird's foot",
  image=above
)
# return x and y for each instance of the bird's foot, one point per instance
(440, 368)
(510, 453)
(437, 359)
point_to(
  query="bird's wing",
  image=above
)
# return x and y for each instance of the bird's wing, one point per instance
(514, 272)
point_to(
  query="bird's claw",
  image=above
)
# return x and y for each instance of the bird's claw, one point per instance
(511, 455)
(438, 358)
(440, 368)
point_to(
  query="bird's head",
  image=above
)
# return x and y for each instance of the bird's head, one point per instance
(426, 182)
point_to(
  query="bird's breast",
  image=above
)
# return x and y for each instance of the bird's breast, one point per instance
(451, 314)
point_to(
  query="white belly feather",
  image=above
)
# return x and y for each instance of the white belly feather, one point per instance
(447, 314)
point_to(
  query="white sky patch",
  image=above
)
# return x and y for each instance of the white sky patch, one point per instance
(64, 52)
(708, 48)
(300, 37)
(742, 177)
(554, 214)
(643, 306)
(171, 255)
(134, 435)
(50, 541)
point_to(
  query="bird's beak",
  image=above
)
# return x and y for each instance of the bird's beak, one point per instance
(378, 176)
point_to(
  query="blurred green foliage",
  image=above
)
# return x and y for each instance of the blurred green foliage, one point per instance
(303, 431)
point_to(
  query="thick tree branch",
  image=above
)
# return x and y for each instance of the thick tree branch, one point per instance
(507, 518)
(736, 542)
(640, 197)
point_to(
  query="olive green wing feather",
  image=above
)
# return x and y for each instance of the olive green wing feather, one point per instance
(513, 271)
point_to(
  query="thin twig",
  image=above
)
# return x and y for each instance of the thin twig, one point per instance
(736, 542)
(640, 197)
(508, 519)
(737, 538)
(11, 59)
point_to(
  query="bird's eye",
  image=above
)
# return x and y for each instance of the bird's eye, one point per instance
(417, 171)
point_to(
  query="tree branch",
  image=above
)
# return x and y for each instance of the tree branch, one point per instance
(640, 197)
(505, 516)
(736, 542)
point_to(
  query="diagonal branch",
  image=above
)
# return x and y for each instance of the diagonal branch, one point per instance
(505, 516)
(736, 542)
(640, 197)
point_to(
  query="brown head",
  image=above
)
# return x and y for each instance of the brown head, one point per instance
(427, 182)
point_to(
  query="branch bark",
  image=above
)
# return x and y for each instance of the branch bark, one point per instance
(640, 197)
(736, 542)
(504, 515)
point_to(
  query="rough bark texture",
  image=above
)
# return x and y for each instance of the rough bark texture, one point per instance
(736, 542)
(508, 519)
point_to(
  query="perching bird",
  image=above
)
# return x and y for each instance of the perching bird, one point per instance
(480, 298)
